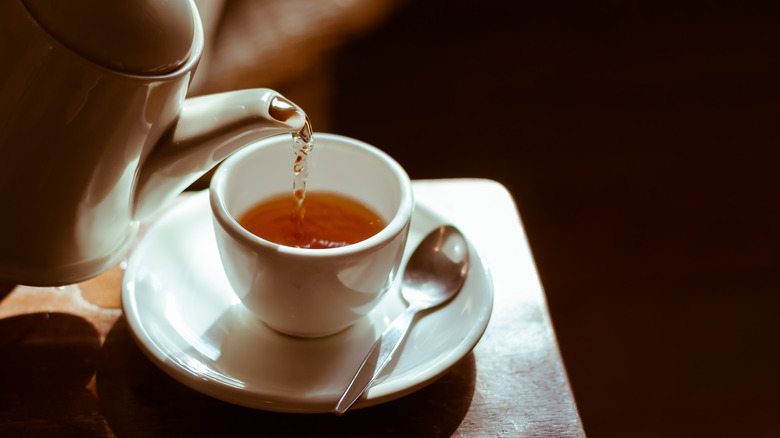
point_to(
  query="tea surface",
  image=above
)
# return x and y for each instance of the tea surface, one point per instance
(326, 220)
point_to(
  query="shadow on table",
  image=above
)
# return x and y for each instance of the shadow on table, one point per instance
(5, 289)
(139, 399)
(46, 362)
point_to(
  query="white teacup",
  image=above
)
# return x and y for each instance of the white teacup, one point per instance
(311, 292)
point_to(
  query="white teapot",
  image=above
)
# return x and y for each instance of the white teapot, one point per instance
(95, 131)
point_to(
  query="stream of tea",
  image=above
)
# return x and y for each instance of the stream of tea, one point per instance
(302, 146)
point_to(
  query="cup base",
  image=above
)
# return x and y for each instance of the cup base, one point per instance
(304, 335)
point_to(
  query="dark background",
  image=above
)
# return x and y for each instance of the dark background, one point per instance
(639, 141)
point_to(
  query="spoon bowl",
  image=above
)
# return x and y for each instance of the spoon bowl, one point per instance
(437, 269)
(434, 274)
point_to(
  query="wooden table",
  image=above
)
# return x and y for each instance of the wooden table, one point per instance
(69, 366)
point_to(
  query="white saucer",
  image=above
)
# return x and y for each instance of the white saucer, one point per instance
(185, 317)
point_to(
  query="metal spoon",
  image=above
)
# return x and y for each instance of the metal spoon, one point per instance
(434, 274)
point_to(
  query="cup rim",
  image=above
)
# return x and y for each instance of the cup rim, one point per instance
(228, 222)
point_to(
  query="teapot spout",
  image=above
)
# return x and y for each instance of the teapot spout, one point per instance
(208, 130)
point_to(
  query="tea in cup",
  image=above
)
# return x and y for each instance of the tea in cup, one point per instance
(319, 276)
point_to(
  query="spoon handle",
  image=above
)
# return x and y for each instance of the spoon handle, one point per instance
(376, 359)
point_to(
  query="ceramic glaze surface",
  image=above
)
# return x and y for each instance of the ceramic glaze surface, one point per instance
(311, 292)
(184, 315)
(71, 139)
(146, 37)
(86, 151)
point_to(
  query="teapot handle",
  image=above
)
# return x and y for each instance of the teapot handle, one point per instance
(208, 130)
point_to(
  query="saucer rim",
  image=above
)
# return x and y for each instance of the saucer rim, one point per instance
(386, 390)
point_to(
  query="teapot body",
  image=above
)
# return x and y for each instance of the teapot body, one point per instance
(72, 137)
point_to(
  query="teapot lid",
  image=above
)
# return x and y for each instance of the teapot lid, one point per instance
(143, 37)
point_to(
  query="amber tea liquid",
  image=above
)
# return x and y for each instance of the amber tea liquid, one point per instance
(329, 220)
(325, 220)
